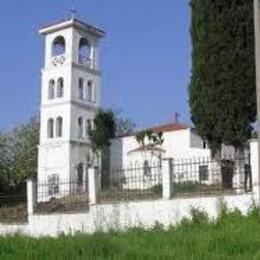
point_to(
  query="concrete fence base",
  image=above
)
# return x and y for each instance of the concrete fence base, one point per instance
(122, 216)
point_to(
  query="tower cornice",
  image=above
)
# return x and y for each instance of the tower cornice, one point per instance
(72, 102)
(72, 22)
(73, 65)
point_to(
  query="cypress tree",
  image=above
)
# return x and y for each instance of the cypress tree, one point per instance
(222, 88)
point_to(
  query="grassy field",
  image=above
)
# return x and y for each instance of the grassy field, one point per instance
(231, 236)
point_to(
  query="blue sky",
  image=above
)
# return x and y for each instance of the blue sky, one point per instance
(146, 56)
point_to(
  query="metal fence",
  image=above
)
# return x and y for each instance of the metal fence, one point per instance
(13, 205)
(205, 176)
(188, 178)
(133, 183)
(62, 196)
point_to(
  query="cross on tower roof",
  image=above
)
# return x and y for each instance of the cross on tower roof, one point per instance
(73, 10)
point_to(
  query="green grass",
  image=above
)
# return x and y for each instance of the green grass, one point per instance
(231, 236)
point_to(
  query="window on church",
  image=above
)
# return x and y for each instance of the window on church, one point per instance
(88, 126)
(60, 87)
(53, 184)
(58, 46)
(80, 176)
(80, 127)
(81, 88)
(90, 91)
(84, 52)
(59, 126)
(51, 93)
(50, 128)
(203, 173)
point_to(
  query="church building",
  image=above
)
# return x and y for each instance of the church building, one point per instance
(180, 141)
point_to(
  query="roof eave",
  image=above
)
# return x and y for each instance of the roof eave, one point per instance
(71, 23)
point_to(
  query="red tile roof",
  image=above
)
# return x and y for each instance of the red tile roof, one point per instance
(170, 127)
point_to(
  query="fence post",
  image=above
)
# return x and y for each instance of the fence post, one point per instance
(167, 165)
(238, 181)
(255, 168)
(93, 185)
(31, 187)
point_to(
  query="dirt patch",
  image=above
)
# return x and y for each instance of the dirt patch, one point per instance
(13, 214)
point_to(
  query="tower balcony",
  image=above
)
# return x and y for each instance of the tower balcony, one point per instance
(85, 61)
(58, 60)
(62, 59)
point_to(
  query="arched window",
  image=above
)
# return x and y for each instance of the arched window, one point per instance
(80, 127)
(59, 126)
(58, 46)
(50, 128)
(81, 89)
(147, 169)
(90, 91)
(51, 93)
(80, 175)
(84, 51)
(89, 123)
(88, 126)
(60, 87)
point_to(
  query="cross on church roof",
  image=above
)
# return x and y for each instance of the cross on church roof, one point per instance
(177, 115)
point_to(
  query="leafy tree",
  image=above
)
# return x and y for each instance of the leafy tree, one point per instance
(102, 133)
(222, 88)
(18, 153)
(107, 125)
(4, 173)
(104, 130)
(149, 138)
(26, 139)
(140, 138)
(124, 125)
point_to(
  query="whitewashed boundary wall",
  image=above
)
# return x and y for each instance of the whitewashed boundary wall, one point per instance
(125, 215)
(146, 214)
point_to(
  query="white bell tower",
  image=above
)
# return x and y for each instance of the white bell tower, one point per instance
(70, 99)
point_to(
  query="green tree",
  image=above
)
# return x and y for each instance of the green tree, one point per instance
(108, 124)
(222, 88)
(124, 125)
(18, 155)
(149, 138)
(4, 171)
(103, 131)
(24, 150)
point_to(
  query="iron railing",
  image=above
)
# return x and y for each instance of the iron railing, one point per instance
(85, 61)
(206, 176)
(58, 60)
(62, 196)
(133, 183)
(13, 205)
